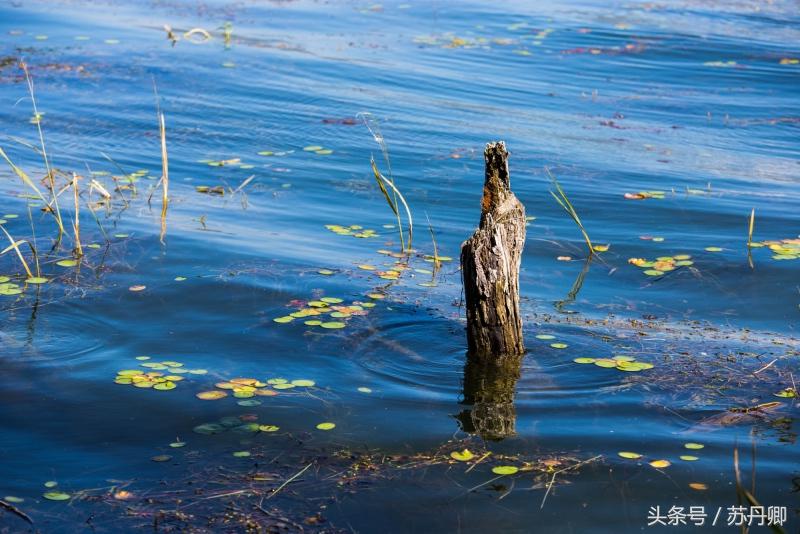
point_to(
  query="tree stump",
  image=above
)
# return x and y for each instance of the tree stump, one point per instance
(490, 261)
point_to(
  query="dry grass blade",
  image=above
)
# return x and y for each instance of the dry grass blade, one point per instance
(15, 245)
(289, 480)
(14, 510)
(743, 493)
(750, 227)
(51, 177)
(564, 202)
(23, 176)
(164, 176)
(436, 262)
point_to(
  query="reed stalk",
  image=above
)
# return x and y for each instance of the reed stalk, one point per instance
(77, 224)
(563, 201)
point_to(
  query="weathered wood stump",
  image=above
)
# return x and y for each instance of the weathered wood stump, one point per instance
(490, 261)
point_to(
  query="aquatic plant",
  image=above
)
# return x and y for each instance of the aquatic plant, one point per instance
(563, 201)
(392, 200)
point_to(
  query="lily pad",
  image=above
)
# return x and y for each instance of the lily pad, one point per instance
(629, 455)
(211, 395)
(462, 456)
(56, 496)
(505, 470)
(326, 426)
(584, 360)
(660, 464)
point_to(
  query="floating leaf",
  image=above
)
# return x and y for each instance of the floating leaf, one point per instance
(303, 383)
(660, 464)
(333, 325)
(211, 395)
(177, 444)
(284, 319)
(606, 362)
(326, 426)
(364, 390)
(67, 263)
(283, 386)
(713, 249)
(559, 345)
(56, 496)
(699, 486)
(504, 470)
(162, 458)
(312, 148)
(268, 428)
(630, 455)
(653, 272)
(137, 288)
(241, 454)
(788, 393)
(165, 386)
(462, 456)
(688, 458)
(694, 446)
(545, 337)
(36, 280)
(584, 360)
(50, 484)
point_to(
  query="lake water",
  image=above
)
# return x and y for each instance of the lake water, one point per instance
(692, 101)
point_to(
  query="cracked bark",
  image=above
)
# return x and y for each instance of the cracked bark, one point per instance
(490, 262)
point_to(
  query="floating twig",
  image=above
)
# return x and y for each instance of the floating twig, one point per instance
(553, 479)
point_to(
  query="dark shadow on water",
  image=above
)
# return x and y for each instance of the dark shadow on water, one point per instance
(489, 393)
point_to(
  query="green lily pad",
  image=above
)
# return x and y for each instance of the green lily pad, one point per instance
(584, 360)
(559, 345)
(462, 456)
(629, 455)
(67, 263)
(36, 280)
(694, 446)
(606, 362)
(326, 426)
(333, 325)
(505, 470)
(57, 496)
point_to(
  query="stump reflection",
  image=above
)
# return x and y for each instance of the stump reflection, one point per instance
(489, 391)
